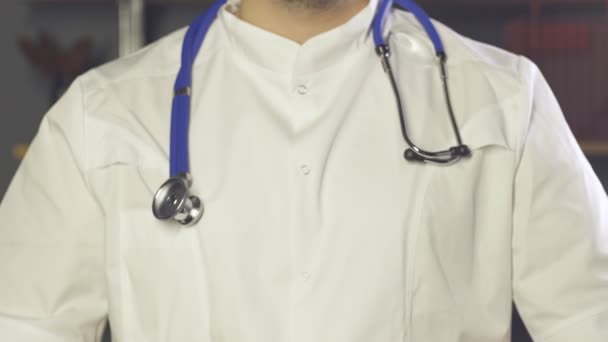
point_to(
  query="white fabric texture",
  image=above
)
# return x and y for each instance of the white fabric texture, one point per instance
(316, 228)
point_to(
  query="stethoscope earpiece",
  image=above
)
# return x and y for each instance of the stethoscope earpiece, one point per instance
(461, 151)
(173, 200)
(410, 155)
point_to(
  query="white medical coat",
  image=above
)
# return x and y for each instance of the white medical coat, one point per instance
(316, 228)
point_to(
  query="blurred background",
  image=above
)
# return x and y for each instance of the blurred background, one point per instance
(49, 42)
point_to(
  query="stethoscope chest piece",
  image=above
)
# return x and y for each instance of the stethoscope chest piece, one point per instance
(173, 201)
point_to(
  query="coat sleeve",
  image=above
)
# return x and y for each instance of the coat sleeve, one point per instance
(560, 236)
(51, 238)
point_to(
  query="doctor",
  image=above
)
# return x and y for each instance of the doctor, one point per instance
(315, 226)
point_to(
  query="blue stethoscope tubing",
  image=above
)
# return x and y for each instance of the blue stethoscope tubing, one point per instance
(384, 8)
(180, 114)
(173, 199)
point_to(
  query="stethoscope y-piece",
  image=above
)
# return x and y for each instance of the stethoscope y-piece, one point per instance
(174, 201)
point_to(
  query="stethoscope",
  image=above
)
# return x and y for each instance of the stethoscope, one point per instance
(173, 199)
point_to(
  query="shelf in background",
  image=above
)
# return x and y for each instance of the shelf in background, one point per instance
(479, 4)
(511, 3)
(595, 148)
(113, 2)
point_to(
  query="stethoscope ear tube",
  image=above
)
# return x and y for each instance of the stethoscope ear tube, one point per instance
(414, 153)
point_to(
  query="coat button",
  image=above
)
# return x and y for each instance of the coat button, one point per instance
(306, 276)
(302, 89)
(305, 169)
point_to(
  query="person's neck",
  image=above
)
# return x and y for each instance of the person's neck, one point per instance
(296, 22)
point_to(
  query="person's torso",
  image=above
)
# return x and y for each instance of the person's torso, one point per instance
(315, 227)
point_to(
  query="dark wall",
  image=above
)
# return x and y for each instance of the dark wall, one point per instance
(25, 92)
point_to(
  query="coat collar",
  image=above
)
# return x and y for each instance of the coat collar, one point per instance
(279, 54)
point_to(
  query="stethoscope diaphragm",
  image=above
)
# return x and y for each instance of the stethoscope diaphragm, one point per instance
(173, 201)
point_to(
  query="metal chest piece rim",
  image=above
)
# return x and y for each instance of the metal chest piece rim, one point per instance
(173, 201)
